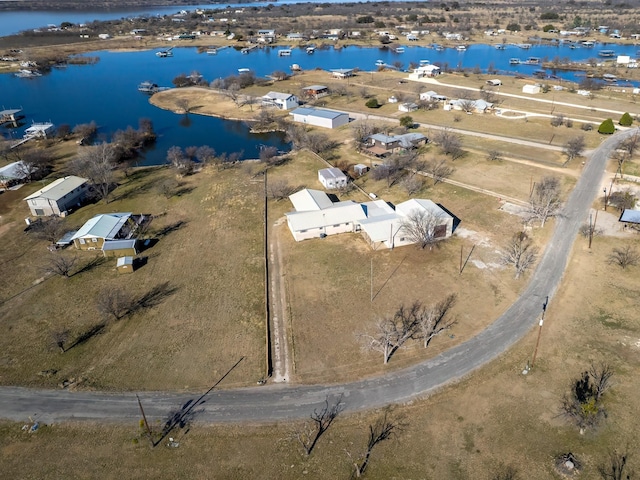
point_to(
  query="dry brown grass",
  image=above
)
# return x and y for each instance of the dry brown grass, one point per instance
(215, 313)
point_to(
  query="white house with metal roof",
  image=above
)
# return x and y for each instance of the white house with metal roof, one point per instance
(99, 230)
(58, 197)
(282, 101)
(320, 117)
(380, 223)
(332, 178)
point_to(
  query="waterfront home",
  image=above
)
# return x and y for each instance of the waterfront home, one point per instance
(58, 197)
(332, 178)
(12, 174)
(39, 130)
(99, 231)
(320, 117)
(315, 91)
(342, 73)
(282, 101)
(424, 71)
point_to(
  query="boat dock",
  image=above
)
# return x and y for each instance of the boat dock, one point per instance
(248, 49)
(9, 115)
(36, 130)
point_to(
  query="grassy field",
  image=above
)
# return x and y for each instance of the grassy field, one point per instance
(496, 418)
(212, 311)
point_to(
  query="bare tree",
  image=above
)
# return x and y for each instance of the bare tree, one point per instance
(97, 164)
(615, 467)
(583, 404)
(630, 144)
(35, 164)
(85, 130)
(114, 302)
(59, 338)
(624, 257)
(321, 420)
(439, 169)
(622, 199)
(432, 321)
(412, 184)
(269, 155)
(383, 429)
(49, 229)
(279, 189)
(574, 148)
(424, 227)
(449, 142)
(467, 105)
(180, 161)
(494, 155)
(232, 93)
(520, 253)
(557, 120)
(488, 94)
(544, 201)
(183, 105)
(60, 264)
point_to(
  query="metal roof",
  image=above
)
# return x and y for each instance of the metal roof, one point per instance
(308, 199)
(346, 212)
(119, 244)
(314, 112)
(278, 96)
(417, 204)
(59, 188)
(105, 226)
(315, 88)
(630, 216)
(13, 171)
(329, 173)
(122, 261)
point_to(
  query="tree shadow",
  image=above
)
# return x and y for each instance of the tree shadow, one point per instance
(87, 335)
(153, 297)
(183, 191)
(95, 262)
(389, 278)
(171, 228)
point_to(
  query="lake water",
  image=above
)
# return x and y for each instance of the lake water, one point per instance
(107, 91)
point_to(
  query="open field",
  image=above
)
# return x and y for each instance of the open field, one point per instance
(467, 431)
(212, 309)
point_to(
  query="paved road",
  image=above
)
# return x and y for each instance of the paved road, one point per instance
(279, 401)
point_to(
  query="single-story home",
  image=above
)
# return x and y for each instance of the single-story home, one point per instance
(342, 72)
(308, 199)
(104, 228)
(282, 101)
(379, 222)
(532, 89)
(332, 178)
(319, 117)
(495, 82)
(408, 107)
(58, 197)
(424, 71)
(12, 174)
(315, 91)
(478, 106)
(431, 95)
(381, 144)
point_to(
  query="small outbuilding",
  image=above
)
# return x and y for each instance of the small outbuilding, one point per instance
(332, 178)
(119, 248)
(360, 169)
(531, 89)
(124, 265)
(630, 217)
(315, 91)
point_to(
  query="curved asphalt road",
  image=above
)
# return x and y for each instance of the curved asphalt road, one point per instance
(279, 402)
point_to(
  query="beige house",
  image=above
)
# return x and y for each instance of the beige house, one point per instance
(96, 233)
(58, 197)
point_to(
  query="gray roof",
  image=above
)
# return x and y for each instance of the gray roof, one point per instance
(119, 244)
(316, 87)
(278, 96)
(309, 199)
(13, 171)
(59, 188)
(631, 216)
(329, 173)
(122, 261)
(104, 226)
(314, 112)
(405, 141)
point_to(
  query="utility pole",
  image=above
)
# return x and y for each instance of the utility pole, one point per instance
(535, 351)
(371, 279)
(144, 417)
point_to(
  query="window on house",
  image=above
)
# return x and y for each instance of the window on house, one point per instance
(94, 240)
(81, 241)
(39, 211)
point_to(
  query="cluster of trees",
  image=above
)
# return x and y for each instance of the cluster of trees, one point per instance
(416, 322)
(583, 405)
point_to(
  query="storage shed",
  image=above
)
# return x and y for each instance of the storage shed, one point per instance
(119, 248)
(532, 89)
(124, 265)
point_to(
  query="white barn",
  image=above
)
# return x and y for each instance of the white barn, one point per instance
(332, 178)
(319, 117)
(282, 101)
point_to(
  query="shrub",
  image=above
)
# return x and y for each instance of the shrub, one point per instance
(549, 16)
(372, 103)
(607, 127)
(406, 121)
(626, 120)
